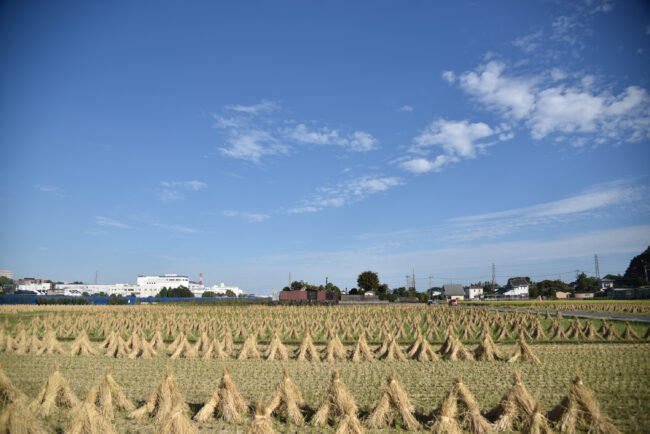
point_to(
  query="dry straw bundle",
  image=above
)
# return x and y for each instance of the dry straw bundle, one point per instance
(307, 350)
(453, 349)
(445, 421)
(421, 350)
(516, 405)
(165, 400)
(215, 351)
(361, 351)
(334, 349)
(580, 409)
(338, 403)
(225, 402)
(523, 352)
(249, 349)
(629, 333)
(117, 347)
(55, 394)
(142, 349)
(177, 423)
(276, 349)
(86, 420)
(50, 344)
(472, 418)
(487, 349)
(536, 423)
(17, 418)
(393, 351)
(8, 392)
(185, 350)
(287, 400)
(261, 421)
(82, 346)
(108, 395)
(393, 401)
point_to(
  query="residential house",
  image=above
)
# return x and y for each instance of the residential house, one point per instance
(454, 291)
(473, 292)
(516, 287)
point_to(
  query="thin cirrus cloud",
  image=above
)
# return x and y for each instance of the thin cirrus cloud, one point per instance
(599, 201)
(252, 133)
(105, 221)
(176, 228)
(347, 192)
(247, 216)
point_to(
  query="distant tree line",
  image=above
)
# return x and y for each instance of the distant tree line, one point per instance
(180, 291)
(296, 285)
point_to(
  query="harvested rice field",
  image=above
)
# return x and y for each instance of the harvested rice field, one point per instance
(398, 368)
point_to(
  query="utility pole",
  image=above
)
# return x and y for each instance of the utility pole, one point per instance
(325, 281)
(645, 268)
(597, 267)
(289, 279)
(430, 282)
(96, 276)
(494, 275)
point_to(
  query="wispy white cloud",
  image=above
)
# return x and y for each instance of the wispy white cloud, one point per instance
(172, 190)
(347, 192)
(457, 139)
(176, 228)
(187, 185)
(358, 141)
(52, 190)
(258, 131)
(510, 95)
(405, 108)
(105, 221)
(561, 108)
(530, 42)
(252, 145)
(264, 106)
(48, 188)
(449, 76)
(247, 216)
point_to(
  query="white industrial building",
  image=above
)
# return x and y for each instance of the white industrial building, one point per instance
(34, 288)
(147, 286)
(156, 283)
(124, 289)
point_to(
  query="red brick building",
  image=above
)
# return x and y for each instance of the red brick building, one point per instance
(308, 295)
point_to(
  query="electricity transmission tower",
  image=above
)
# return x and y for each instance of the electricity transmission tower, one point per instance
(597, 267)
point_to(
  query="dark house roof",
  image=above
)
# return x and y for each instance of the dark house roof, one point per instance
(453, 289)
(518, 281)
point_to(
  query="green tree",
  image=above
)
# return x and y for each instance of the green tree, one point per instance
(5, 280)
(636, 271)
(586, 284)
(368, 281)
(208, 294)
(229, 293)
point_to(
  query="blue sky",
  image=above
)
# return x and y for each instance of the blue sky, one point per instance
(249, 140)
